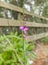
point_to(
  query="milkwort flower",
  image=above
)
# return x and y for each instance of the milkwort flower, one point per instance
(24, 29)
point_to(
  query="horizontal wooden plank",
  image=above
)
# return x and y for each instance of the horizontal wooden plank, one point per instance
(18, 9)
(36, 36)
(9, 22)
(33, 24)
(10, 6)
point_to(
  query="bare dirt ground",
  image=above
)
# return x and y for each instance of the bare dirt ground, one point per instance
(42, 55)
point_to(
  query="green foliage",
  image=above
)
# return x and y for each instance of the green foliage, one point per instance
(38, 2)
(14, 50)
(45, 40)
(45, 11)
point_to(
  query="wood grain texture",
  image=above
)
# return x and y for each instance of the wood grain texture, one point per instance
(9, 22)
(18, 9)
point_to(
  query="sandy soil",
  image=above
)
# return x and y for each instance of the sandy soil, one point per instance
(42, 55)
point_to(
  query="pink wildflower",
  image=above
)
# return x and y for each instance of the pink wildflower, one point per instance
(22, 28)
(26, 29)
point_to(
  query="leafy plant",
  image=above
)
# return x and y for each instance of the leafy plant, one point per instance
(45, 40)
(14, 50)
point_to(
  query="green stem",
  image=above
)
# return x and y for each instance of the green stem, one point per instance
(18, 58)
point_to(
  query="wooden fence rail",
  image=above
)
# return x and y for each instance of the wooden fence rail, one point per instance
(9, 22)
(36, 36)
(18, 9)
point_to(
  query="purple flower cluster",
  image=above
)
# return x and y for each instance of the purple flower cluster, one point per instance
(24, 29)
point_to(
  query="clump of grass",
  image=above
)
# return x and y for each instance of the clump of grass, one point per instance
(14, 50)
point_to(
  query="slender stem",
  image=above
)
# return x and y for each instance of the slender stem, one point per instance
(18, 58)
